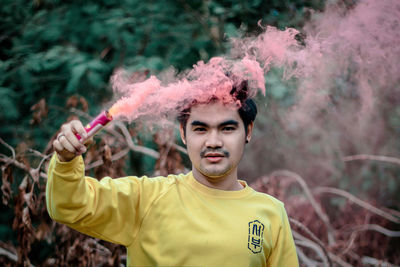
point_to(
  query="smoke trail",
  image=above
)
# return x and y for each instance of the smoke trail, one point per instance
(135, 94)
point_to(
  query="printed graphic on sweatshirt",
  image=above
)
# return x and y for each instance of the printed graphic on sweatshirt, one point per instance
(256, 230)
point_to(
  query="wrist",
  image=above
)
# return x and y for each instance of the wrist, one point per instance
(63, 159)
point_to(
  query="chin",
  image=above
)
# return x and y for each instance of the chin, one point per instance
(215, 173)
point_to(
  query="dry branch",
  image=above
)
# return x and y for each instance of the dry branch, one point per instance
(301, 240)
(11, 256)
(36, 153)
(372, 157)
(304, 259)
(375, 262)
(313, 202)
(8, 254)
(357, 201)
(376, 228)
(114, 157)
(179, 148)
(339, 261)
(311, 234)
(9, 147)
(33, 172)
(145, 150)
(16, 163)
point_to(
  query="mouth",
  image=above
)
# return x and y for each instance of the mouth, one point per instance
(214, 157)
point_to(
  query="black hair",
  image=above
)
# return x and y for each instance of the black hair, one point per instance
(247, 110)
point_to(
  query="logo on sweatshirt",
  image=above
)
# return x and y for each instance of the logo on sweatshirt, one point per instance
(256, 230)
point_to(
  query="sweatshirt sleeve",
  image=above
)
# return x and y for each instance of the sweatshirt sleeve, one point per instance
(110, 209)
(284, 251)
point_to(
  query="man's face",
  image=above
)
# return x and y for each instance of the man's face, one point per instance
(215, 139)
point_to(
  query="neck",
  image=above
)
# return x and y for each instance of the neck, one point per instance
(227, 182)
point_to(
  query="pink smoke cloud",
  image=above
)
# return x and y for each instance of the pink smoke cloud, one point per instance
(358, 47)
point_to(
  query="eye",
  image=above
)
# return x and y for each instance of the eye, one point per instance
(199, 129)
(228, 128)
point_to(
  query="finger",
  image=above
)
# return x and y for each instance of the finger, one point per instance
(77, 127)
(63, 154)
(63, 140)
(57, 146)
(71, 139)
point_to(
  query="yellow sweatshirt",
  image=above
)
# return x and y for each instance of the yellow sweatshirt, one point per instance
(174, 220)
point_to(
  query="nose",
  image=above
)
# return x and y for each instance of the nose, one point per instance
(213, 140)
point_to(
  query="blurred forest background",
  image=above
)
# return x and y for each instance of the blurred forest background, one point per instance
(341, 189)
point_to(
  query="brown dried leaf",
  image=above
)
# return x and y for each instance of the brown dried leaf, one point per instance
(17, 212)
(23, 225)
(41, 111)
(75, 101)
(7, 179)
(105, 51)
(24, 184)
(92, 154)
(72, 101)
(84, 104)
(107, 154)
(26, 218)
(43, 231)
(20, 150)
(30, 200)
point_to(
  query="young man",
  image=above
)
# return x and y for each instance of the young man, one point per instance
(206, 217)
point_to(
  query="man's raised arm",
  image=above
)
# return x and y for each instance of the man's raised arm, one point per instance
(110, 209)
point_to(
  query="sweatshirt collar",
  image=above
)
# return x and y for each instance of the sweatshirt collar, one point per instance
(218, 193)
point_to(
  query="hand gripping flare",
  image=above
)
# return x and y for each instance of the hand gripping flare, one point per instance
(96, 125)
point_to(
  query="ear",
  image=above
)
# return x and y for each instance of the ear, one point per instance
(249, 131)
(182, 132)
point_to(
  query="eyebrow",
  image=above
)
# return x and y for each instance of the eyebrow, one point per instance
(228, 122)
(198, 123)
